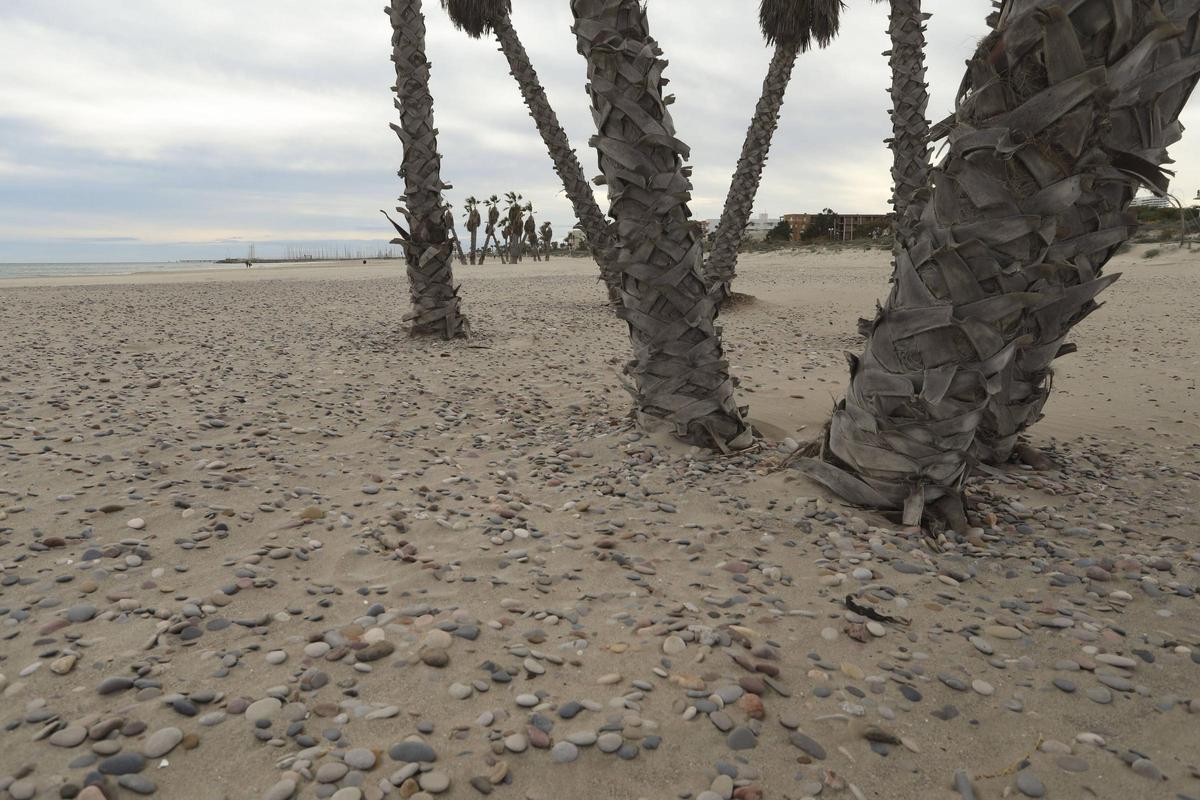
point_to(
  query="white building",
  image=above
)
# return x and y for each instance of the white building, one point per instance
(756, 230)
(1152, 201)
(576, 240)
(760, 225)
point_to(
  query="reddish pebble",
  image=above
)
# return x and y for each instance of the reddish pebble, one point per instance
(752, 705)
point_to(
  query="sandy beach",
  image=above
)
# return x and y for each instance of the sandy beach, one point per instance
(255, 542)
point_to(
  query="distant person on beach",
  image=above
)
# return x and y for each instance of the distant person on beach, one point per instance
(247, 265)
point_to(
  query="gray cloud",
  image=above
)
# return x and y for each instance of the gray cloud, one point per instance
(194, 128)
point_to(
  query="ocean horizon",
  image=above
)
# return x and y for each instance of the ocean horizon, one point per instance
(64, 269)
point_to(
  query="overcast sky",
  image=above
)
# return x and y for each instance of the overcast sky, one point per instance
(154, 129)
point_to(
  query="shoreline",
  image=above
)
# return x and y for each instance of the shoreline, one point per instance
(182, 275)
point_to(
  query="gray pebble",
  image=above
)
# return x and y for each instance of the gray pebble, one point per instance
(1029, 785)
(161, 742)
(360, 758)
(564, 753)
(1065, 685)
(412, 752)
(609, 742)
(807, 744)
(742, 739)
(123, 764)
(138, 784)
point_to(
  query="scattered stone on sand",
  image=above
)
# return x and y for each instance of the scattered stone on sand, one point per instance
(254, 539)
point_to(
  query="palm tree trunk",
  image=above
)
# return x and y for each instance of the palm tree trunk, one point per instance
(719, 269)
(428, 250)
(474, 241)
(910, 102)
(601, 239)
(1060, 119)
(679, 368)
(1143, 126)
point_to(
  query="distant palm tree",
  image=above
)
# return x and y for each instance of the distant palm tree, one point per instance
(1060, 119)
(493, 218)
(479, 17)
(547, 234)
(472, 221)
(453, 234)
(531, 232)
(679, 369)
(427, 249)
(792, 27)
(515, 230)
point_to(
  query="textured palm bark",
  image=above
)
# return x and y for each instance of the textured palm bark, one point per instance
(427, 247)
(1142, 121)
(591, 219)
(1060, 119)
(721, 265)
(910, 102)
(679, 369)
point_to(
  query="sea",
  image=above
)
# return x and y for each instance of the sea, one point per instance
(60, 270)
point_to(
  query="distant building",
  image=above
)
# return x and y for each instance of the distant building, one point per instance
(857, 226)
(756, 229)
(798, 223)
(577, 240)
(1153, 201)
(759, 226)
(846, 226)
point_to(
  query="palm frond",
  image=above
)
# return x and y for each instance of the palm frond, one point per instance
(800, 22)
(476, 17)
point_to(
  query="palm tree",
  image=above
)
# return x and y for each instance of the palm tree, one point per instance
(1059, 120)
(531, 234)
(515, 229)
(1144, 121)
(426, 247)
(480, 17)
(493, 218)
(791, 26)
(679, 369)
(452, 234)
(547, 234)
(910, 101)
(472, 221)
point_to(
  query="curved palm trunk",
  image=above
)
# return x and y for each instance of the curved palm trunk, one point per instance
(490, 239)
(601, 240)
(454, 240)
(427, 248)
(679, 369)
(910, 102)
(1060, 119)
(1144, 121)
(720, 268)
